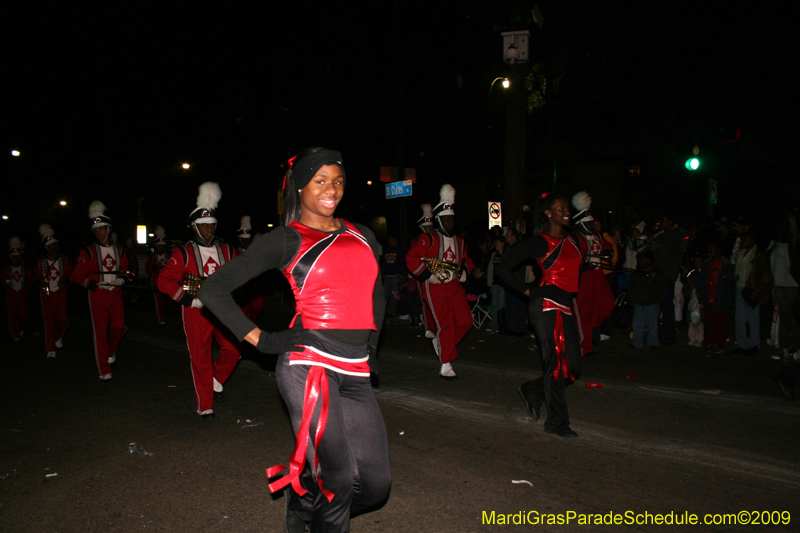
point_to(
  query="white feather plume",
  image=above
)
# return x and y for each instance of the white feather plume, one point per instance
(582, 201)
(45, 230)
(447, 195)
(427, 210)
(160, 233)
(246, 223)
(96, 209)
(209, 195)
(14, 242)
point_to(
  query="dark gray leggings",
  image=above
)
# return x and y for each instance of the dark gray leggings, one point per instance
(353, 454)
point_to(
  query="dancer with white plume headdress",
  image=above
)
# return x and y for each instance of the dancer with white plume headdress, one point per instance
(53, 271)
(157, 257)
(187, 268)
(440, 262)
(102, 268)
(15, 277)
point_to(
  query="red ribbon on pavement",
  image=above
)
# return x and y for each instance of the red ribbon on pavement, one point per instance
(316, 389)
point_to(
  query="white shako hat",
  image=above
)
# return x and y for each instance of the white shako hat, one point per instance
(582, 202)
(161, 235)
(208, 198)
(97, 215)
(244, 230)
(447, 197)
(48, 235)
(427, 216)
(14, 246)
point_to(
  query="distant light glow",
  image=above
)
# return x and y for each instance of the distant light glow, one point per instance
(185, 166)
(15, 153)
(693, 163)
(506, 83)
(62, 203)
(141, 234)
(270, 225)
(369, 182)
(151, 234)
(4, 217)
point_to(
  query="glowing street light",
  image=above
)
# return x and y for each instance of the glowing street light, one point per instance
(185, 166)
(15, 153)
(369, 182)
(4, 217)
(62, 203)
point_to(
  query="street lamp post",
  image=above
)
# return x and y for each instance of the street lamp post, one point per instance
(515, 54)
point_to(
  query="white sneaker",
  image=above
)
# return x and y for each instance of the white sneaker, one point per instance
(489, 330)
(447, 371)
(404, 317)
(59, 343)
(112, 359)
(106, 377)
(217, 385)
(604, 337)
(51, 355)
(429, 334)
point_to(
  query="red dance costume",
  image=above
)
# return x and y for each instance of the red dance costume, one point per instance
(320, 305)
(200, 325)
(156, 262)
(15, 279)
(427, 317)
(54, 308)
(447, 301)
(595, 301)
(105, 301)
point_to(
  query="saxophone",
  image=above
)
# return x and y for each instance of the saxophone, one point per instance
(44, 281)
(440, 268)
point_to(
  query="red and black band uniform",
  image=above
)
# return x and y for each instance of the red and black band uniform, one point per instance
(156, 262)
(340, 303)
(199, 324)
(16, 280)
(54, 307)
(447, 301)
(551, 312)
(105, 298)
(595, 300)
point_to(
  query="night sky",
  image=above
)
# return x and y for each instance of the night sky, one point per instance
(106, 103)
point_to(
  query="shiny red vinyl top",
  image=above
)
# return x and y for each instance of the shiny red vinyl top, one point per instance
(561, 265)
(333, 278)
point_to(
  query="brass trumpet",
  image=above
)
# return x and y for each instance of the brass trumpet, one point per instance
(439, 268)
(191, 283)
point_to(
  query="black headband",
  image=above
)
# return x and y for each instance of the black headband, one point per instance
(305, 169)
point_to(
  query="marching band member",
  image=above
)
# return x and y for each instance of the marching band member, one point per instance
(443, 293)
(101, 269)
(189, 266)
(595, 301)
(425, 224)
(15, 277)
(558, 252)
(156, 260)
(324, 367)
(53, 272)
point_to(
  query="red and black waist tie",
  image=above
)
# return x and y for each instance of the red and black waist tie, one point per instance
(562, 365)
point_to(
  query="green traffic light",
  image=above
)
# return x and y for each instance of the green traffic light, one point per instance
(692, 164)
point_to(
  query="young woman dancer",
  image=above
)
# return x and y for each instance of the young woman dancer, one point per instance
(558, 253)
(324, 366)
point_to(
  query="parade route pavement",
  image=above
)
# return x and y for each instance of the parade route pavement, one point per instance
(671, 434)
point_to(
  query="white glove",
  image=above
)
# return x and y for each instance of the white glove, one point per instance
(118, 282)
(463, 277)
(434, 280)
(197, 304)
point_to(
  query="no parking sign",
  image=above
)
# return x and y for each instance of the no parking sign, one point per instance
(495, 214)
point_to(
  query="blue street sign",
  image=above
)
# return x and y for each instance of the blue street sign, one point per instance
(398, 189)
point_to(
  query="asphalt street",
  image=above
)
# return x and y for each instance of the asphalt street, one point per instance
(671, 433)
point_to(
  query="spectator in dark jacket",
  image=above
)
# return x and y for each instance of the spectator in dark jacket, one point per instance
(716, 293)
(645, 293)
